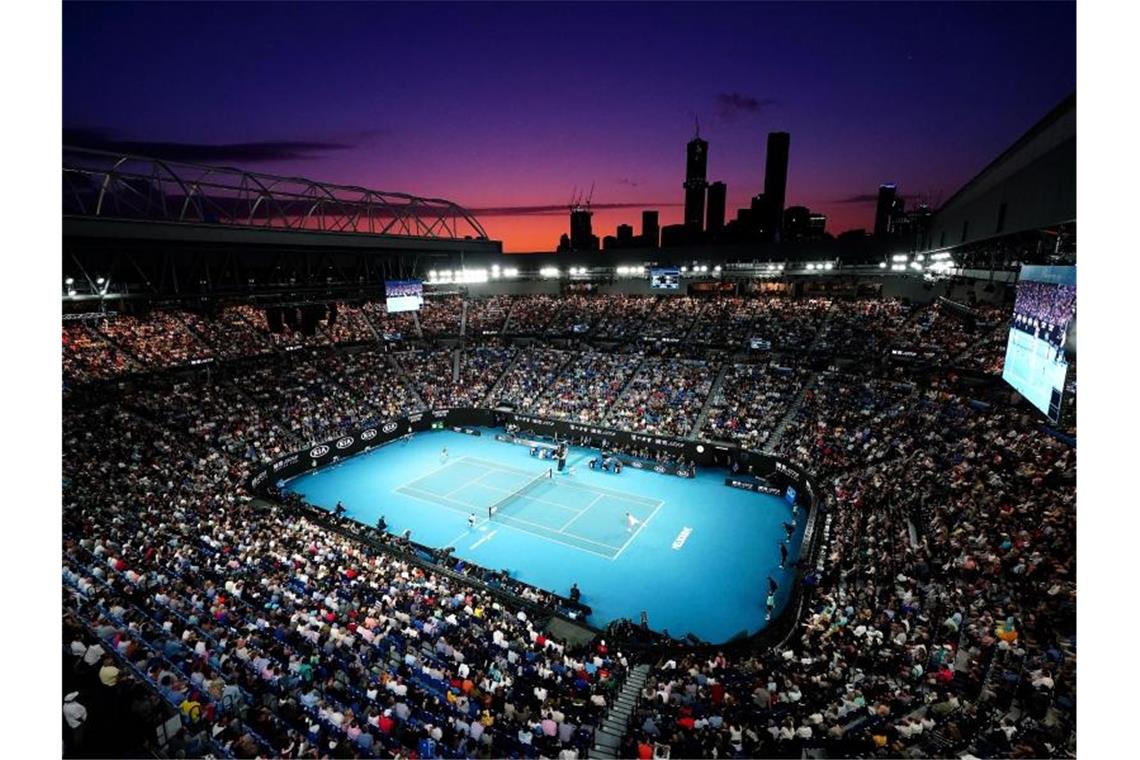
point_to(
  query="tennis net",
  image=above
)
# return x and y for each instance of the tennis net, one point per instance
(527, 487)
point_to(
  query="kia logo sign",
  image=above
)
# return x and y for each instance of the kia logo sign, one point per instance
(369, 434)
(319, 451)
(388, 427)
(345, 442)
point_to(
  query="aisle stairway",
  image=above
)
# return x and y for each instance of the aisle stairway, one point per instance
(710, 402)
(609, 736)
(778, 433)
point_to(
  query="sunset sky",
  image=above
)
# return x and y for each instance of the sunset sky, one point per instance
(507, 108)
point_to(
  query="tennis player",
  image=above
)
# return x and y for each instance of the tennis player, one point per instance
(443, 454)
(471, 521)
(630, 522)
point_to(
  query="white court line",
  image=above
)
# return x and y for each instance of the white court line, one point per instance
(453, 541)
(529, 497)
(483, 540)
(520, 520)
(634, 498)
(433, 499)
(437, 470)
(470, 483)
(584, 511)
(639, 529)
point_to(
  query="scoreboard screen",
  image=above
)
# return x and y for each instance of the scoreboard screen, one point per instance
(403, 295)
(665, 278)
(1044, 311)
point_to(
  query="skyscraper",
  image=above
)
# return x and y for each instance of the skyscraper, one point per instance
(776, 182)
(718, 192)
(650, 229)
(696, 167)
(885, 208)
(581, 230)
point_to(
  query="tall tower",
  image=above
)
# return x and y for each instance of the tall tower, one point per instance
(581, 229)
(650, 229)
(884, 209)
(718, 192)
(776, 181)
(696, 167)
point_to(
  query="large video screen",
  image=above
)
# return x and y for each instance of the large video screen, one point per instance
(1035, 359)
(403, 295)
(665, 278)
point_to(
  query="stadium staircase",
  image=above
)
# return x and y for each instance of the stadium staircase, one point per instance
(696, 321)
(416, 322)
(822, 329)
(609, 736)
(709, 402)
(778, 433)
(624, 388)
(407, 381)
(488, 400)
(456, 363)
(463, 320)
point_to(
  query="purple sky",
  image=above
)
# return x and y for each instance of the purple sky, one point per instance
(506, 108)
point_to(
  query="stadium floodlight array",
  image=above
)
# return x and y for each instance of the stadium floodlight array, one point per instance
(530, 485)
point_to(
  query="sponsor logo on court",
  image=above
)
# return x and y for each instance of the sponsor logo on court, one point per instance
(681, 538)
(345, 442)
(370, 433)
(319, 451)
(389, 427)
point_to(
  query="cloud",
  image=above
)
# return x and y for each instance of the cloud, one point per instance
(208, 153)
(560, 209)
(858, 198)
(628, 181)
(731, 105)
(871, 198)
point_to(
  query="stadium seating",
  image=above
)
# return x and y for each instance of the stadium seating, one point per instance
(940, 619)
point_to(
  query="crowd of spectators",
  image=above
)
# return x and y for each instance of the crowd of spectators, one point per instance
(673, 317)
(441, 315)
(530, 376)
(751, 401)
(290, 334)
(348, 324)
(577, 314)
(390, 325)
(228, 333)
(87, 357)
(940, 621)
(219, 414)
(432, 371)
(1044, 307)
(487, 315)
(158, 339)
(845, 421)
(727, 320)
(790, 324)
(664, 397)
(587, 387)
(862, 328)
(530, 315)
(624, 317)
(272, 634)
(320, 394)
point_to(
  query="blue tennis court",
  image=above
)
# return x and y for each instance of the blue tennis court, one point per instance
(695, 558)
